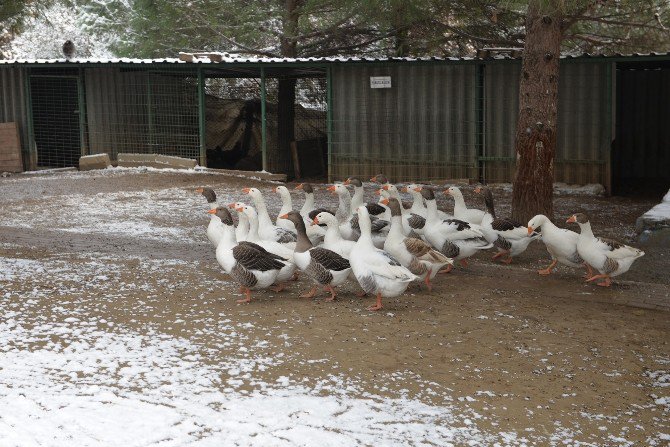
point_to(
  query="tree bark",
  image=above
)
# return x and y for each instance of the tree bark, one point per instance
(535, 139)
(286, 86)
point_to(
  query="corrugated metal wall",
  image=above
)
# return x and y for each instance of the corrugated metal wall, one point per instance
(13, 103)
(424, 127)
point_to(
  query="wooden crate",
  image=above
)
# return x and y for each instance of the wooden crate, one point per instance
(10, 148)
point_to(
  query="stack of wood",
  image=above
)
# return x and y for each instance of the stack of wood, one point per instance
(10, 148)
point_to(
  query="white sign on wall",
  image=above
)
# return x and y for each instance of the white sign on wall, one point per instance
(380, 81)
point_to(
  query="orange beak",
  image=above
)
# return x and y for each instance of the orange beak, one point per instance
(299, 186)
(530, 230)
(284, 216)
(240, 209)
(378, 192)
(315, 221)
(347, 181)
(446, 192)
(418, 189)
(211, 211)
(231, 206)
(384, 201)
(246, 190)
(385, 187)
(331, 188)
(200, 190)
(404, 189)
(478, 189)
(571, 219)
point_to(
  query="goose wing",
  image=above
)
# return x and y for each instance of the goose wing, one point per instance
(284, 235)
(329, 259)
(250, 257)
(423, 251)
(416, 222)
(617, 250)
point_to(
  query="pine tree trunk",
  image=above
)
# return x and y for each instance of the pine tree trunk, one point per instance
(286, 86)
(536, 128)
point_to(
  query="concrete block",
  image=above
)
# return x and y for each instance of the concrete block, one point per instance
(155, 161)
(96, 161)
(176, 162)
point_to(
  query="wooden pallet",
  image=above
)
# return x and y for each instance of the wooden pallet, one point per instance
(10, 148)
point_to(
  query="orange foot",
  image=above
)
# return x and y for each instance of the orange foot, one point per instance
(309, 294)
(330, 289)
(427, 281)
(278, 288)
(507, 261)
(464, 262)
(378, 304)
(447, 270)
(247, 292)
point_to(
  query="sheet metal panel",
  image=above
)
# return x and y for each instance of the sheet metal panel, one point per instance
(423, 127)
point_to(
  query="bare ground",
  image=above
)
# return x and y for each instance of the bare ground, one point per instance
(544, 358)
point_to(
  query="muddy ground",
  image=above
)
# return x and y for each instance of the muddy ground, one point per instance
(515, 357)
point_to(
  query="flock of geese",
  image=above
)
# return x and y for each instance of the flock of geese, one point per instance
(386, 245)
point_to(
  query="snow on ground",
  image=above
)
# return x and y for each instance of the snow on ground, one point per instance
(70, 377)
(660, 212)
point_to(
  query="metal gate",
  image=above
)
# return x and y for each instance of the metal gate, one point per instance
(57, 130)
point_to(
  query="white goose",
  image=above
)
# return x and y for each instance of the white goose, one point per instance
(266, 229)
(242, 228)
(561, 244)
(418, 256)
(610, 258)
(247, 263)
(507, 235)
(283, 250)
(323, 266)
(214, 228)
(348, 224)
(333, 238)
(461, 211)
(377, 271)
(314, 232)
(454, 238)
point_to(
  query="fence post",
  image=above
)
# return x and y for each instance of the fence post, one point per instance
(31, 162)
(81, 99)
(201, 119)
(264, 139)
(329, 120)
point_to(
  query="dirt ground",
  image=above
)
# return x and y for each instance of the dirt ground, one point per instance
(521, 359)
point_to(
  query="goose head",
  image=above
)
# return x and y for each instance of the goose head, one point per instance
(453, 191)
(536, 222)
(282, 191)
(255, 193)
(324, 218)
(222, 213)
(393, 205)
(579, 218)
(354, 181)
(338, 189)
(379, 178)
(427, 193)
(248, 211)
(208, 193)
(391, 189)
(306, 187)
(293, 216)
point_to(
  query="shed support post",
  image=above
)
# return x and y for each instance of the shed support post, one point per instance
(202, 161)
(264, 137)
(611, 131)
(30, 160)
(329, 120)
(479, 111)
(150, 112)
(81, 100)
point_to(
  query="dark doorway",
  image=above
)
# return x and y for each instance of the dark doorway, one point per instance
(56, 126)
(641, 150)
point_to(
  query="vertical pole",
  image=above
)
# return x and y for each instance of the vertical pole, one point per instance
(150, 112)
(201, 118)
(329, 120)
(30, 162)
(81, 99)
(264, 139)
(479, 111)
(611, 122)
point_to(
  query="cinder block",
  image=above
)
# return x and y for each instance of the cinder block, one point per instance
(97, 161)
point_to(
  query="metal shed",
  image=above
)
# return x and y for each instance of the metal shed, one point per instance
(413, 119)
